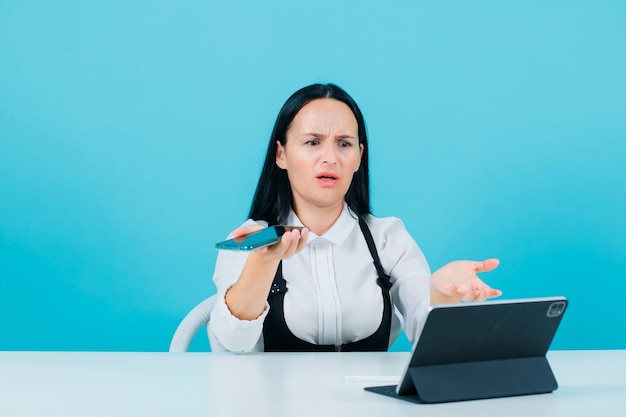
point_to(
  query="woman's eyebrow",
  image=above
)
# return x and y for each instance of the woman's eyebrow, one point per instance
(320, 135)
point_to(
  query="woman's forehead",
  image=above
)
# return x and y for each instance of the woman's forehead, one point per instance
(325, 114)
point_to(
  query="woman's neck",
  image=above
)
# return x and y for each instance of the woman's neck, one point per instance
(319, 219)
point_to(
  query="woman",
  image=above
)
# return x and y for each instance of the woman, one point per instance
(331, 285)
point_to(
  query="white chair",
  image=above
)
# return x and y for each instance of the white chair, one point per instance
(199, 316)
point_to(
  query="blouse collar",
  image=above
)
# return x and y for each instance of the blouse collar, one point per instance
(337, 233)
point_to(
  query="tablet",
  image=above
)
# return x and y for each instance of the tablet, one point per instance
(482, 350)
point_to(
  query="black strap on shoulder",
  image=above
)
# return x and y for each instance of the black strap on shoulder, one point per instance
(383, 277)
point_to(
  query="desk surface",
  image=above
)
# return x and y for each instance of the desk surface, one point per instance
(91, 384)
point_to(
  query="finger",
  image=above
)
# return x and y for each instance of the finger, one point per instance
(290, 243)
(481, 295)
(246, 230)
(465, 292)
(493, 293)
(475, 292)
(488, 292)
(486, 265)
(304, 236)
(287, 243)
(293, 238)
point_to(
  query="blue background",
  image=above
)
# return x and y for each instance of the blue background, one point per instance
(132, 135)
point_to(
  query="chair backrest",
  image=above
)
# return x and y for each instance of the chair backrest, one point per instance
(199, 316)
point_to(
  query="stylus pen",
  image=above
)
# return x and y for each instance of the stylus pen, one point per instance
(372, 378)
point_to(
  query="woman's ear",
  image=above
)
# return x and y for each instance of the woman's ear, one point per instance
(280, 156)
(361, 147)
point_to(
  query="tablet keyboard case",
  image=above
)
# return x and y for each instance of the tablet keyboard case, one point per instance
(482, 351)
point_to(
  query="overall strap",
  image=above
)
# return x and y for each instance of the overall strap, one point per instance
(383, 278)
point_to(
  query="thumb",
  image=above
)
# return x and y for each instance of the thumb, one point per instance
(486, 265)
(246, 230)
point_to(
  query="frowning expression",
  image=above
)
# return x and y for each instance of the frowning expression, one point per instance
(321, 154)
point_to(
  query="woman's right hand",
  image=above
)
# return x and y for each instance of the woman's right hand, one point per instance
(290, 243)
(246, 298)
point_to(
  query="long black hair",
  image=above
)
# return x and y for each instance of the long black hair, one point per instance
(272, 198)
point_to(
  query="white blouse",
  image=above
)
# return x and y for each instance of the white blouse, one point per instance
(332, 296)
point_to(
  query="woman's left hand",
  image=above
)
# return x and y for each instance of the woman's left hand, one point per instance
(458, 281)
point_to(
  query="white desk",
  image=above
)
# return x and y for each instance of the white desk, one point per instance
(592, 383)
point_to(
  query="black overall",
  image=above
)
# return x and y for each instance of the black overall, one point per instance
(278, 338)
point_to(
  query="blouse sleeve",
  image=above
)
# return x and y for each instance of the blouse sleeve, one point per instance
(227, 332)
(408, 269)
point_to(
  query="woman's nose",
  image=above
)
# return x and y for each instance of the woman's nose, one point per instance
(329, 155)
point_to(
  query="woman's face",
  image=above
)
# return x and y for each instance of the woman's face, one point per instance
(321, 154)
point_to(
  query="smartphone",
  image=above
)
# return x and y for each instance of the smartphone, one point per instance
(264, 237)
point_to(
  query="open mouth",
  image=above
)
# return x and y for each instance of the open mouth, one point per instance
(327, 179)
(327, 176)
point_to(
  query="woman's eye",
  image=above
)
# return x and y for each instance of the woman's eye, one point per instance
(345, 144)
(312, 142)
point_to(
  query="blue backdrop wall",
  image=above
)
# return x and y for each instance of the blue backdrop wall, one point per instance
(132, 135)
